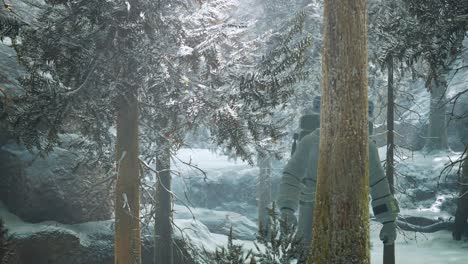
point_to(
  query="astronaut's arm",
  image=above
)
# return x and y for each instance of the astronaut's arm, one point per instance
(384, 205)
(293, 173)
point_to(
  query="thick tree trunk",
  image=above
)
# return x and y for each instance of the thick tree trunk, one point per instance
(389, 250)
(264, 191)
(461, 216)
(437, 132)
(163, 249)
(341, 215)
(127, 196)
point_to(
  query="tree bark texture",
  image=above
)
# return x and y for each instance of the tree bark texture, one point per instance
(163, 250)
(264, 191)
(389, 250)
(127, 196)
(437, 132)
(461, 215)
(341, 215)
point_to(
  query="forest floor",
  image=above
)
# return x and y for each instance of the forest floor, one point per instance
(207, 228)
(411, 247)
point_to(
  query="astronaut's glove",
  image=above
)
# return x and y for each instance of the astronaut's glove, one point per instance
(288, 217)
(388, 233)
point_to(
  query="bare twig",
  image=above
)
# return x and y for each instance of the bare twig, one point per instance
(166, 189)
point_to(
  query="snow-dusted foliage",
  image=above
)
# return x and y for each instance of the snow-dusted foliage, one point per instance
(193, 64)
(424, 39)
(277, 244)
(9, 23)
(218, 79)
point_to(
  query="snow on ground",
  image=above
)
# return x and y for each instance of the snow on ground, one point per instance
(414, 248)
(421, 188)
(411, 248)
(417, 248)
(437, 249)
(198, 234)
(209, 228)
(219, 221)
(84, 231)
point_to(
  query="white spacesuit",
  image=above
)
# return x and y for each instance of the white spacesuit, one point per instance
(297, 187)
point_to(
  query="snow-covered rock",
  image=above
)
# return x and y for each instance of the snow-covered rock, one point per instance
(57, 187)
(422, 184)
(92, 242)
(219, 222)
(226, 180)
(229, 185)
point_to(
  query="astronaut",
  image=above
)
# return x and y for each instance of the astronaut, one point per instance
(297, 187)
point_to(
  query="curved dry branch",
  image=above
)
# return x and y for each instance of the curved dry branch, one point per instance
(442, 225)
